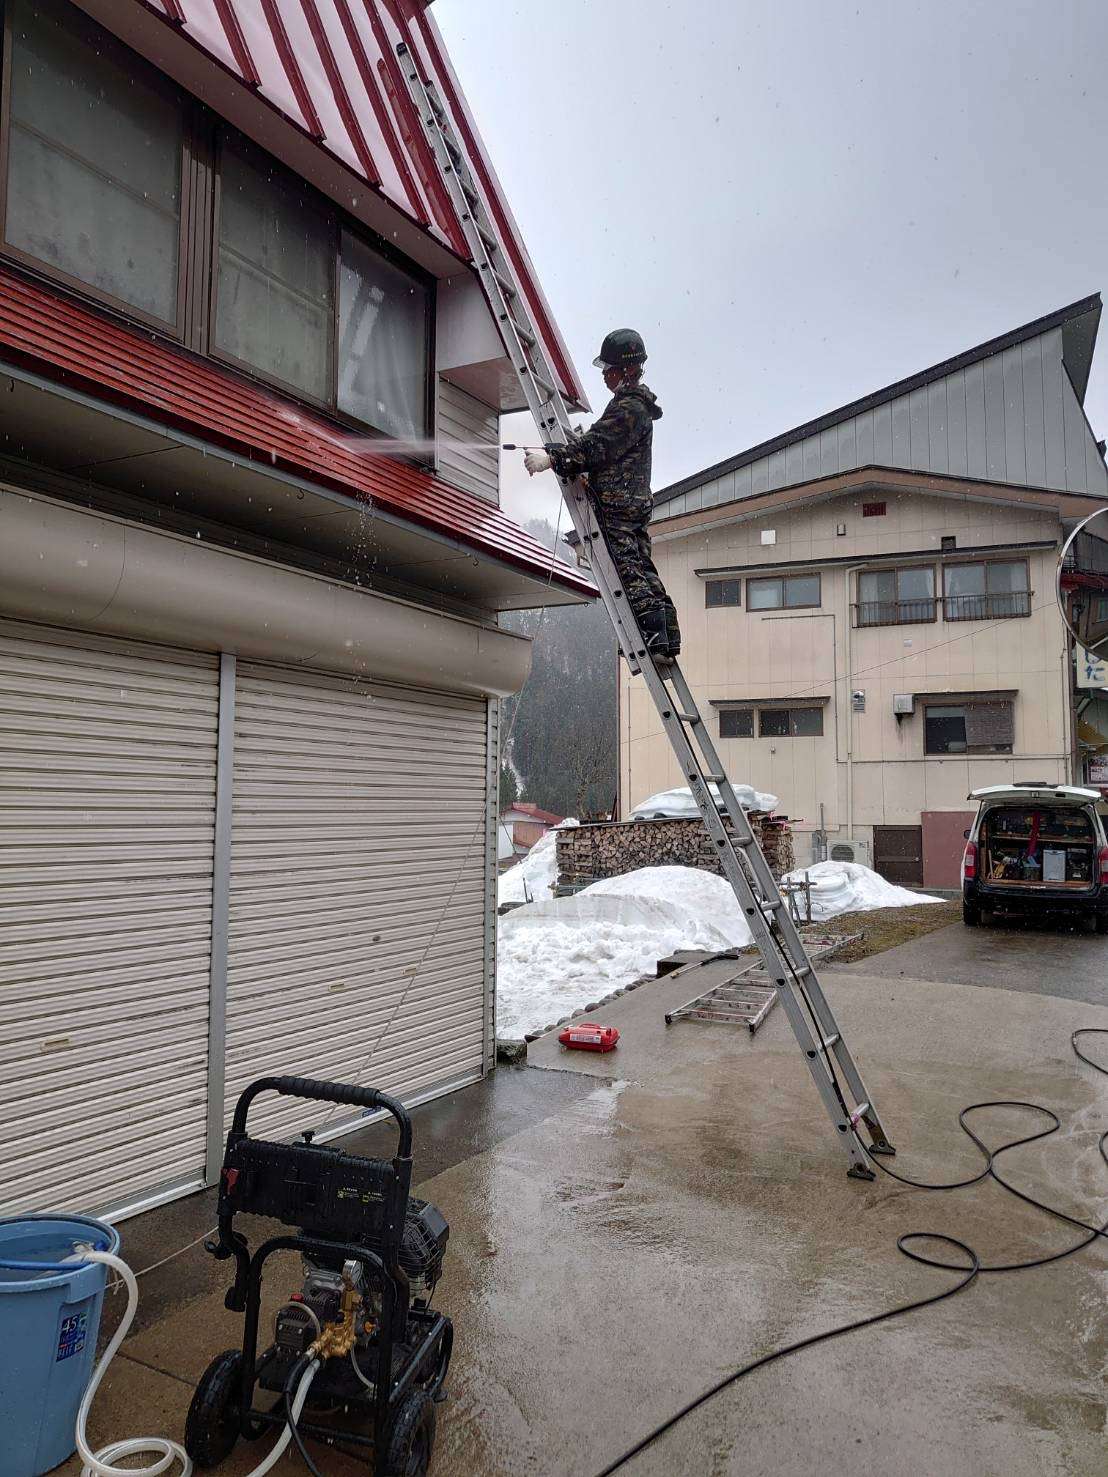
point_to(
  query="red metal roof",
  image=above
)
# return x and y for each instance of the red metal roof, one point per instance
(65, 341)
(535, 813)
(330, 67)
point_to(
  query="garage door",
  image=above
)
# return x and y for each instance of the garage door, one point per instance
(107, 796)
(356, 944)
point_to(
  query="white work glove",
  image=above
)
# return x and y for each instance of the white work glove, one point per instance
(536, 461)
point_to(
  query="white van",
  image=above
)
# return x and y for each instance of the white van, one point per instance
(1037, 847)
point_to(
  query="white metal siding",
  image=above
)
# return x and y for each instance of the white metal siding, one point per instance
(107, 792)
(357, 941)
(468, 442)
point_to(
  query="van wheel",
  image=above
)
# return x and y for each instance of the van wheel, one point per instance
(971, 915)
(1102, 923)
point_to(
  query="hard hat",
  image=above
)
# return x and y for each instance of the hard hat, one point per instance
(622, 347)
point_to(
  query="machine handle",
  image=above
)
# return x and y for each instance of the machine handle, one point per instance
(326, 1092)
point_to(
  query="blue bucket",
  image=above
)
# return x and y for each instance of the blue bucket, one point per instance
(49, 1321)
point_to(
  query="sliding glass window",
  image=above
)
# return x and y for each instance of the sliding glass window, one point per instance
(94, 166)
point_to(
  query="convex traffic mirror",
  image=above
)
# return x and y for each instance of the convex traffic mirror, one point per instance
(1083, 584)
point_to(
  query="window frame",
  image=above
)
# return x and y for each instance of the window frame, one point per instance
(92, 32)
(1026, 592)
(738, 711)
(338, 223)
(202, 135)
(789, 709)
(895, 570)
(783, 580)
(254, 154)
(735, 580)
(971, 751)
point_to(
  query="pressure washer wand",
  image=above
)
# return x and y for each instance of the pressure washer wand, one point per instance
(511, 446)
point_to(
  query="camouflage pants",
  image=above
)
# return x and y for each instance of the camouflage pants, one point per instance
(629, 543)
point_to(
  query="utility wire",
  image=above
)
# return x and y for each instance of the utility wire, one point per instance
(890, 662)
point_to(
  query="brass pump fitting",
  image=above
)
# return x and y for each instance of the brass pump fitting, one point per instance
(337, 1339)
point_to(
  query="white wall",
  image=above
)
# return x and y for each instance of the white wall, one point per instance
(865, 768)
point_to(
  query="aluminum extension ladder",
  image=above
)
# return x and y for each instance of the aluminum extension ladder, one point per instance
(746, 996)
(776, 936)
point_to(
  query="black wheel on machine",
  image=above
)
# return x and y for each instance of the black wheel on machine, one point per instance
(412, 1437)
(971, 915)
(212, 1424)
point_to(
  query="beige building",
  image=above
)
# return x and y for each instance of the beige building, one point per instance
(868, 602)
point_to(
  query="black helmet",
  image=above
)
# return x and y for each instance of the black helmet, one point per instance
(622, 348)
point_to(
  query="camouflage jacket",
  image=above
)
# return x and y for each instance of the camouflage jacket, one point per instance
(615, 452)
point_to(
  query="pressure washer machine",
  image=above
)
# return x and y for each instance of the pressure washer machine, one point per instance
(357, 1344)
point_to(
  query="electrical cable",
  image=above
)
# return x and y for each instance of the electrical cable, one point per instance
(292, 1410)
(905, 1244)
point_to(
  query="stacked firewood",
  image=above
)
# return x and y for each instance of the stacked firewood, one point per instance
(587, 853)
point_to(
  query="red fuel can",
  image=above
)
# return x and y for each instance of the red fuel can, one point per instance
(583, 1036)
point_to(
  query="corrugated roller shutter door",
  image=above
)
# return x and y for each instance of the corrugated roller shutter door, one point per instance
(356, 938)
(107, 798)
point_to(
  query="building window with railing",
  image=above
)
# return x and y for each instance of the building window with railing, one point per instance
(896, 597)
(992, 590)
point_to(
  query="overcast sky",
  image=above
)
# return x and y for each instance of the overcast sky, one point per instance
(797, 201)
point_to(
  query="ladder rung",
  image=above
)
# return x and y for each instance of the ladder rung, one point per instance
(858, 1114)
(826, 1046)
(688, 717)
(524, 335)
(506, 285)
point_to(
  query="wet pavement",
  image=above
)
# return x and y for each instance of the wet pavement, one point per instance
(1038, 955)
(680, 1206)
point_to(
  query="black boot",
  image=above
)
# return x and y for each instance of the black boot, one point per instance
(673, 630)
(653, 628)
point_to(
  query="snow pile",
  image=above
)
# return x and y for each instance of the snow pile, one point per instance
(533, 879)
(558, 954)
(553, 957)
(848, 887)
(680, 805)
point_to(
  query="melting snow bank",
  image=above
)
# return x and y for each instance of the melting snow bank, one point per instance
(533, 879)
(559, 954)
(848, 887)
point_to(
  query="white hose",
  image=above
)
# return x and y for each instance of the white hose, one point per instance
(99, 1463)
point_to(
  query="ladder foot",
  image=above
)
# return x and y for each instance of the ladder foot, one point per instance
(860, 1172)
(882, 1146)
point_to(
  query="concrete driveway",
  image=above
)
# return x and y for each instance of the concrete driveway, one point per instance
(683, 1208)
(1041, 957)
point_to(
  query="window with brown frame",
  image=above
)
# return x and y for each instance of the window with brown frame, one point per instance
(896, 597)
(305, 302)
(94, 143)
(736, 723)
(98, 154)
(722, 592)
(995, 589)
(784, 592)
(981, 727)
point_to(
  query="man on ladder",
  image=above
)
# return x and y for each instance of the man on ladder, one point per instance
(615, 454)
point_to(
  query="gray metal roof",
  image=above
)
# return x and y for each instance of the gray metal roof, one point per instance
(1009, 411)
